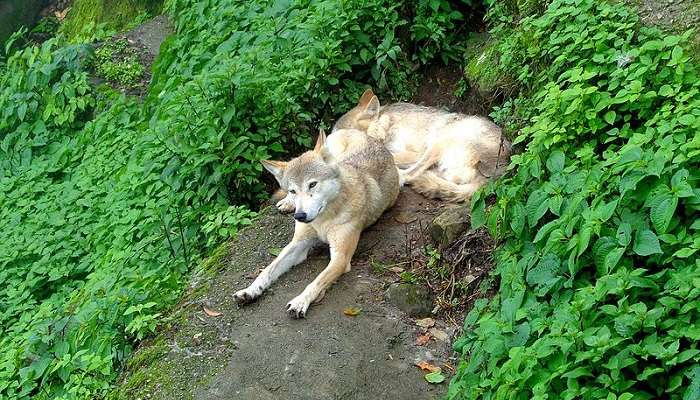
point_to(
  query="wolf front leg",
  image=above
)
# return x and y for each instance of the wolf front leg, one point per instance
(343, 243)
(292, 254)
(284, 201)
(286, 205)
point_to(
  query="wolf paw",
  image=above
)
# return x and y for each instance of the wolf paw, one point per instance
(247, 295)
(298, 306)
(285, 206)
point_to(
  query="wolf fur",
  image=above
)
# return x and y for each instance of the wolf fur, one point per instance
(337, 190)
(441, 154)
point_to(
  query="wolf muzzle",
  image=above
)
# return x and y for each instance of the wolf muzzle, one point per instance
(300, 216)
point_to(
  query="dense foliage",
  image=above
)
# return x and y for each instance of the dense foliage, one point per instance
(106, 201)
(599, 276)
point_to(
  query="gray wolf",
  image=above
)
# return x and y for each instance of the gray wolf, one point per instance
(337, 190)
(441, 154)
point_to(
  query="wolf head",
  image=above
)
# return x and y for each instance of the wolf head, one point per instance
(312, 179)
(361, 115)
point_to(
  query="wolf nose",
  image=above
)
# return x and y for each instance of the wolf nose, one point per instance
(300, 216)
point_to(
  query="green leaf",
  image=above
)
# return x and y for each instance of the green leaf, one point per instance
(676, 55)
(517, 220)
(685, 252)
(624, 234)
(478, 213)
(545, 274)
(693, 390)
(686, 119)
(609, 117)
(536, 206)
(555, 162)
(435, 377)
(606, 210)
(662, 212)
(545, 230)
(612, 258)
(666, 91)
(646, 243)
(584, 239)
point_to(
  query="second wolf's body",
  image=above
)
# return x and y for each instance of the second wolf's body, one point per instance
(442, 154)
(338, 189)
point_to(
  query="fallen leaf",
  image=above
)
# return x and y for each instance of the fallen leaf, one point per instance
(61, 15)
(422, 340)
(405, 218)
(352, 311)
(426, 366)
(274, 251)
(439, 334)
(397, 270)
(448, 366)
(425, 322)
(435, 377)
(211, 312)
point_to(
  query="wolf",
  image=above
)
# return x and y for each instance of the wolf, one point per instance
(441, 154)
(338, 189)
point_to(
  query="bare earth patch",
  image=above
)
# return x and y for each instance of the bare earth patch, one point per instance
(259, 352)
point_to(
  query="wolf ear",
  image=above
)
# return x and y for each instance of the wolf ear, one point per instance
(321, 148)
(320, 141)
(371, 109)
(276, 168)
(365, 98)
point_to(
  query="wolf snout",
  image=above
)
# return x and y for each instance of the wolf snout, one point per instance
(300, 216)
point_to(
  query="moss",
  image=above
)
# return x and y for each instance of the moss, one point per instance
(481, 72)
(86, 17)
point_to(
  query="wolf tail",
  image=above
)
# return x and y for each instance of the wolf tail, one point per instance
(432, 185)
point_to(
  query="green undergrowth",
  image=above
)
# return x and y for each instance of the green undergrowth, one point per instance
(107, 202)
(599, 292)
(115, 61)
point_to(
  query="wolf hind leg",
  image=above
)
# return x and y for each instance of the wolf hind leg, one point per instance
(405, 159)
(429, 158)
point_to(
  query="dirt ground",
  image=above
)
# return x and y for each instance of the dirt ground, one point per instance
(259, 352)
(676, 15)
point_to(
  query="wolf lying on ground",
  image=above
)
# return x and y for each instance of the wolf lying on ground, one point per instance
(337, 190)
(441, 154)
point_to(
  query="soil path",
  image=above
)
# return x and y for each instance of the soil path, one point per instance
(259, 352)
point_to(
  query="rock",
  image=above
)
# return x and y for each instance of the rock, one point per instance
(410, 298)
(447, 226)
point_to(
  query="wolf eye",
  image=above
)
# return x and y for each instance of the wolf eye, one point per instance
(312, 184)
(293, 191)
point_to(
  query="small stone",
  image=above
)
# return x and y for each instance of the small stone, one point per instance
(439, 334)
(413, 299)
(446, 227)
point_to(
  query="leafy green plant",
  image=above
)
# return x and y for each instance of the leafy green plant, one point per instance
(408, 277)
(226, 223)
(598, 217)
(115, 61)
(434, 30)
